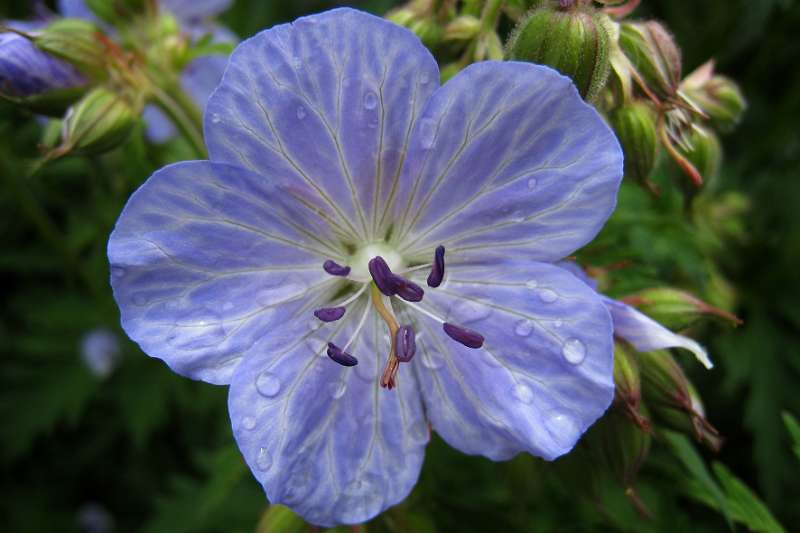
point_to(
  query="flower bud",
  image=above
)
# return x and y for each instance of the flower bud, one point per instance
(675, 309)
(703, 150)
(627, 381)
(75, 41)
(635, 126)
(488, 47)
(462, 28)
(718, 97)
(102, 120)
(653, 52)
(36, 80)
(622, 444)
(112, 11)
(574, 40)
(692, 422)
(664, 383)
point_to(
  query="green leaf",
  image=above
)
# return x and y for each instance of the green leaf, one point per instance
(703, 481)
(794, 431)
(744, 505)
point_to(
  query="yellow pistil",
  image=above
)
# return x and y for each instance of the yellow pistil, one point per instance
(390, 372)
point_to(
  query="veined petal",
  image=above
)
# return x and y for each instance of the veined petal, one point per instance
(506, 160)
(207, 258)
(322, 438)
(27, 71)
(544, 373)
(328, 100)
(645, 334)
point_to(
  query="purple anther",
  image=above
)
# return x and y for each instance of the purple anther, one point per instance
(465, 336)
(341, 357)
(382, 276)
(335, 269)
(405, 344)
(437, 272)
(329, 314)
(408, 290)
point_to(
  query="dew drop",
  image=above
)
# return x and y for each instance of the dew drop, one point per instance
(548, 296)
(468, 312)
(523, 393)
(297, 63)
(419, 431)
(574, 351)
(268, 384)
(531, 284)
(524, 328)
(427, 133)
(532, 183)
(370, 100)
(215, 118)
(248, 422)
(301, 112)
(563, 429)
(139, 299)
(360, 499)
(424, 79)
(373, 123)
(337, 389)
(118, 272)
(558, 323)
(264, 460)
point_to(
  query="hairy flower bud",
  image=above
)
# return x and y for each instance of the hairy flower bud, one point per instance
(622, 444)
(674, 308)
(115, 10)
(703, 150)
(574, 40)
(97, 123)
(692, 422)
(663, 381)
(635, 126)
(653, 52)
(720, 98)
(75, 41)
(627, 381)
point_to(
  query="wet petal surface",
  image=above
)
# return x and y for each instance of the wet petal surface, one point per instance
(507, 159)
(328, 101)
(544, 373)
(208, 258)
(322, 438)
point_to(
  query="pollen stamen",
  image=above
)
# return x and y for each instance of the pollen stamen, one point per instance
(334, 313)
(390, 372)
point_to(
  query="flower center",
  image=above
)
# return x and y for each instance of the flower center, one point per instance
(359, 261)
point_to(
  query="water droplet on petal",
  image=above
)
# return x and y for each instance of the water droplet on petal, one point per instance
(524, 327)
(424, 79)
(467, 312)
(532, 183)
(337, 389)
(532, 284)
(248, 422)
(139, 299)
(268, 384)
(215, 118)
(427, 133)
(360, 499)
(301, 112)
(563, 429)
(118, 272)
(558, 323)
(297, 63)
(370, 100)
(419, 431)
(548, 296)
(373, 123)
(574, 351)
(523, 393)
(264, 460)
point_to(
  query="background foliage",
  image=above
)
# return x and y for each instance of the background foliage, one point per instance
(156, 451)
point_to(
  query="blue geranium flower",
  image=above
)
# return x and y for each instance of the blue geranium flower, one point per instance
(26, 71)
(202, 75)
(360, 227)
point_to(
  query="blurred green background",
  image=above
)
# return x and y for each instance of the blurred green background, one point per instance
(155, 450)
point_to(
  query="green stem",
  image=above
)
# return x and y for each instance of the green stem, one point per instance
(183, 113)
(491, 15)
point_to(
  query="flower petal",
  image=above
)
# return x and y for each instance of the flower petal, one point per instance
(194, 9)
(544, 373)
(645, 334)
(322, 438)
(27, 71)
(328, 100)
(208, 258)
(507, 159)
